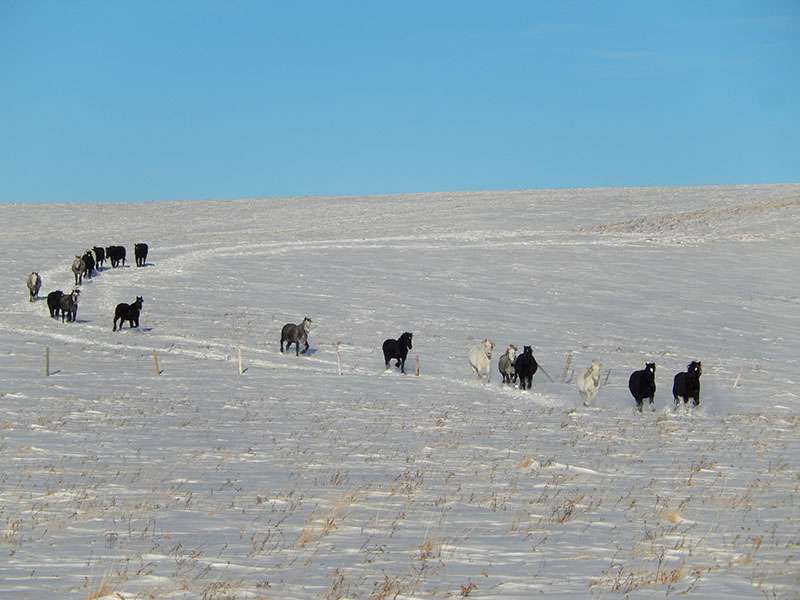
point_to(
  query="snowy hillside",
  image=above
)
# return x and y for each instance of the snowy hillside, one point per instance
(291, 481)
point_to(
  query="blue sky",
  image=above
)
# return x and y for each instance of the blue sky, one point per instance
(125, 101)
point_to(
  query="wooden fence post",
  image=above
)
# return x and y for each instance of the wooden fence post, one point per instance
(155, 363)
(738, 377)
(47, 361)
(567, 365)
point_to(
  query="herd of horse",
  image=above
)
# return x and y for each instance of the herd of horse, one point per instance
(642, 383)
(86, 265)
(513, 367)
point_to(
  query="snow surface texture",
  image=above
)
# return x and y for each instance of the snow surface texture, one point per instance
(290, 481)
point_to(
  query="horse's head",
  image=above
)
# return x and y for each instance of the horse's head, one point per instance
(596, 366)
(650, 367)
(488, 347)
(511, 352)
(139, 300)
(307, 323)
(527, 350)
(405, 339)
(696, 367)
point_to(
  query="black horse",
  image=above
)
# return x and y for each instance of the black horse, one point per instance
(128, 312)
(54, 302)
(687, 384)
(140, 252)
(397, 349)
(89, 263)
(526, 367)
(294, 334)
(116, 254)
(100, 256)
(642, 384)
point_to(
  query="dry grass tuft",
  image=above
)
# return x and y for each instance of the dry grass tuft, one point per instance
(430, 548)
(102, 589)
(388, 589)
(466, 590)
(318, 527)
(671, 516)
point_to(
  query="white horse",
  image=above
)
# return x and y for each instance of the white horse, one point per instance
(589, 383)
(34, 285)
(480, 358)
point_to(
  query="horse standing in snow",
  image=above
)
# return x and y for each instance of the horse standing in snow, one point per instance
(68, 305)
(589, 383)
(642, 384)
(116, 254)
(128, 312)
(294, 334)
(34, 283)
(78, 269)
(687, 384)
(140, 252)
(526, 367)
(99, 256)
(397, 349)
(89, 264)
(480, 358)
(506, 364)
(54, 302)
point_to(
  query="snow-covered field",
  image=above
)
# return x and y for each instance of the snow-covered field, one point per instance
(291, 481)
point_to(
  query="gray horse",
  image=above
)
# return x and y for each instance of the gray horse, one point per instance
(294, 334)
(34, 285)
(78, 269)
(68, 304)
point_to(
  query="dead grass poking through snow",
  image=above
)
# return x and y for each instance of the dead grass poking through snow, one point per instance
(102, 589)
(319, 526)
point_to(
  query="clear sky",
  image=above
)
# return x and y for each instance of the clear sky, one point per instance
(121, 101)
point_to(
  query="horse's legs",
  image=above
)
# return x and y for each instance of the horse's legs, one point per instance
(281, 345)
(402, 362)
(297, 348)
(306, 349)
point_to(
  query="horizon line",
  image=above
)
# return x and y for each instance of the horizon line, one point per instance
(394, 194)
